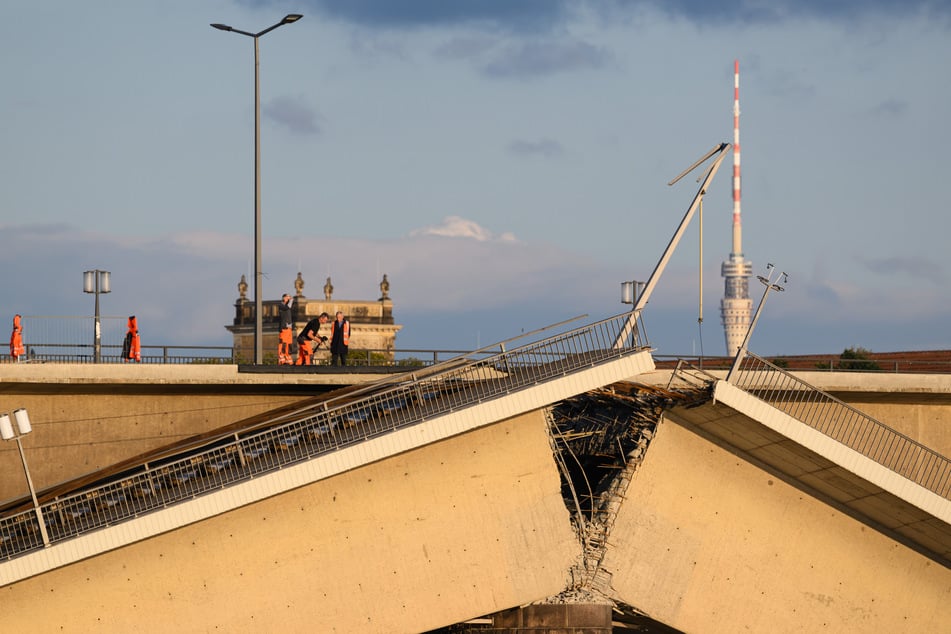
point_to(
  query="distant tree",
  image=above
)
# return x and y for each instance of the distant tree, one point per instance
(366, 357)
(370, 357)
(781, 363)
(857, 359)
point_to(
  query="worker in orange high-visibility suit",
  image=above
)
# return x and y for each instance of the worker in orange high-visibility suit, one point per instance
(285, 336)
(310, 334)
(16, 340)
(131, 348)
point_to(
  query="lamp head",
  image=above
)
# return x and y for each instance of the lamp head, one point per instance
(290, 18)
(222, 27)
(6, 427)
(23, 421)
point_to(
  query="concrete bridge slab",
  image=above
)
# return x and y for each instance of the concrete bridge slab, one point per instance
(709, 542)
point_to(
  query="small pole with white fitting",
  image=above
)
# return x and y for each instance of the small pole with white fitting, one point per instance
(770, 286)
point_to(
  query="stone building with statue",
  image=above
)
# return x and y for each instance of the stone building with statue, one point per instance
(372, 329)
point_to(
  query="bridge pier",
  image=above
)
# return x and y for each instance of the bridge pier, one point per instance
(569, 618)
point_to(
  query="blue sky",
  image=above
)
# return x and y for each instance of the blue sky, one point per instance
(503, 162)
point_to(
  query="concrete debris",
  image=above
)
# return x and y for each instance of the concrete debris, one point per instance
(599, 439)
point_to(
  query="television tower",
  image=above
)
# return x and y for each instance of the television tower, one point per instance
(736, 305)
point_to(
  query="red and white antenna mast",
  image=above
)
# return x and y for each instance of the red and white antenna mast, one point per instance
(736, 305)
(737, 228)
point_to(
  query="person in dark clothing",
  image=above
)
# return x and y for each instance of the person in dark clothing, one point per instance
(308, 336)
(339, 340)
(286, 334)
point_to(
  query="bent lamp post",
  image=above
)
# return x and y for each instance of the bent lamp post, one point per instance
(7, 433)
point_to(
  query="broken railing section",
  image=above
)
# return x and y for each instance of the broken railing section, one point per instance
(599, 440)
(689, 379)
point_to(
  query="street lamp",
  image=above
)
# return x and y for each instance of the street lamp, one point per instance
(630, 291)
(288, 19)
(7, 433)
(97, 281)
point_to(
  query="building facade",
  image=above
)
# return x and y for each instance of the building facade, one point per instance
(372, 329)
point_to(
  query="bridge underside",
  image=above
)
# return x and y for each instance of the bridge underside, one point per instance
(825, 468)
(713, 540)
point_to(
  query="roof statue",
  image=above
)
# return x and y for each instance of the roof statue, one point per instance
(243, 289)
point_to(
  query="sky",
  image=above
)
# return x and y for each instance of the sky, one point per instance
(504, 162)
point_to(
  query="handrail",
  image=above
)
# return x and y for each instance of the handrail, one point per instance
(343, 420)
(845, 424)
(885, 363)
(77, 350)
(465, 365)
(460, 360)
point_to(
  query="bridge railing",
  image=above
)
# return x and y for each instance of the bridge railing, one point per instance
(70, 339)
(85, 353)
(889, 363)
(842, 422)
(348, 419)
(223, 355)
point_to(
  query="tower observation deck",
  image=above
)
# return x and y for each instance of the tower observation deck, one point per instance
(736, 305)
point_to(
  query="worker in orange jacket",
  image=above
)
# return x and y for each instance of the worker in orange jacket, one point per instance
(310, 335)
(16, 339)
(131, 347)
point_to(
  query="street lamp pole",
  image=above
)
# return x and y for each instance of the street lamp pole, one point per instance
(7, 433)
(766, 281)
(97, 281)
(258, 317)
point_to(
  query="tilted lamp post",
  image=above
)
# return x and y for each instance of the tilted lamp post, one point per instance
(770, 285)
(97, 281)
(7, 433)
(258, 336)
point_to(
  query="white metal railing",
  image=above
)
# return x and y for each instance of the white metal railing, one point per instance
(69, 339)
(845, 424)
(341, 421)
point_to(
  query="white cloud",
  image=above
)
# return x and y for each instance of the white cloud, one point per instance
(456, 227)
